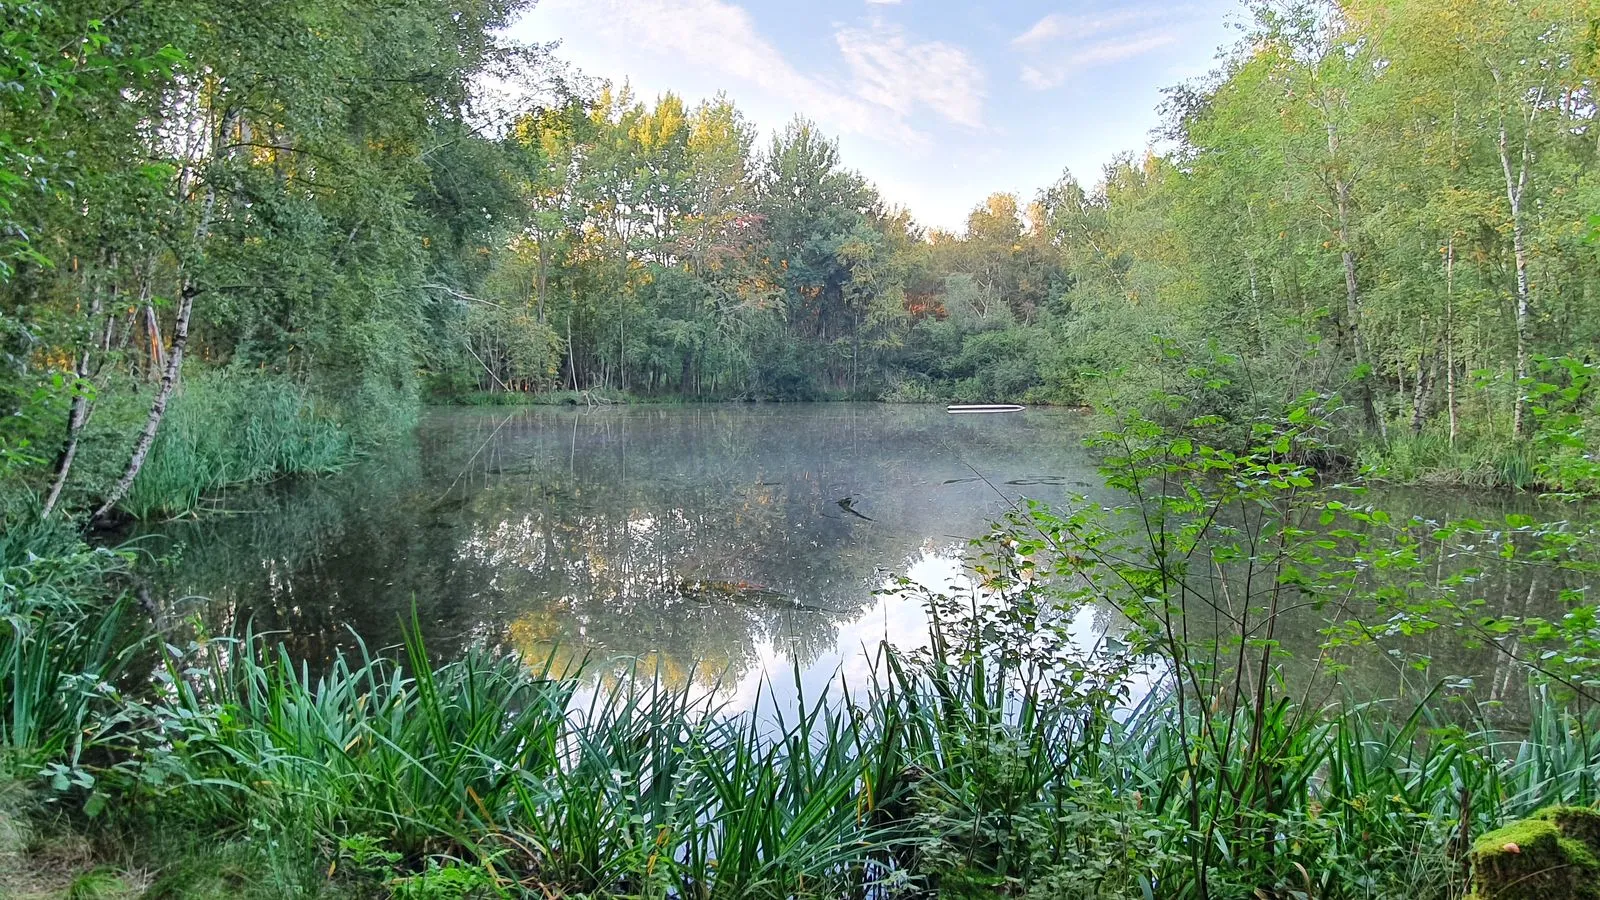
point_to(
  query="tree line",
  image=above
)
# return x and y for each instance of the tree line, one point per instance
(1388, 200)
(1392, 201)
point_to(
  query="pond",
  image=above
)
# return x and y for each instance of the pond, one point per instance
(721, 543)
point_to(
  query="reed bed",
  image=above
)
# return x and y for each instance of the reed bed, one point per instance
(224, 431)
(950, 776)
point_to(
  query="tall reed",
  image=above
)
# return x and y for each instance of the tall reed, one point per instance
(956, 771)
(227, 430)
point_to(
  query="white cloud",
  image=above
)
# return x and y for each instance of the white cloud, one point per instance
(887, 77)
(1039, 80)
(719, 39)
(1047, 75)
(1059, 26)
(1115, 51)
(1059, 45)
(891, 71)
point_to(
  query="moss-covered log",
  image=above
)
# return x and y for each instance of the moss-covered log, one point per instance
(1553, 854)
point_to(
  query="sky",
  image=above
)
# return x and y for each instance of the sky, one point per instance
(938, 102)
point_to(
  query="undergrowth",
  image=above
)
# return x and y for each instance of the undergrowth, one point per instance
(223, 431)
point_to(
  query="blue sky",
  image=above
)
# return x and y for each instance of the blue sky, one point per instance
(938, 102)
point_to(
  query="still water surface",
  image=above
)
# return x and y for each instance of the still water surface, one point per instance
(719, 543)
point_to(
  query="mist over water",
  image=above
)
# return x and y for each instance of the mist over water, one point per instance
(727, 544)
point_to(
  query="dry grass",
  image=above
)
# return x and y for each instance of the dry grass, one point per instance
(41, 863)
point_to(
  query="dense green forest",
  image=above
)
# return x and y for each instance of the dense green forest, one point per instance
(279, 198)
(1392, 202)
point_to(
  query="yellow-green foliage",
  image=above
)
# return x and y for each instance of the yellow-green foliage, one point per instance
(1553, 854)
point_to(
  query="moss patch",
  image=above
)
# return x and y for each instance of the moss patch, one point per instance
(1553, 854)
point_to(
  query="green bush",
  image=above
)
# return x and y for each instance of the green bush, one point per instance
(377, 411)
(912, 389)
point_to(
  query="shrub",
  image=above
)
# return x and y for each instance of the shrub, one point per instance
(912, 389)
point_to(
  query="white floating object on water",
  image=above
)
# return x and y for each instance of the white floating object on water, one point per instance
(985, 408)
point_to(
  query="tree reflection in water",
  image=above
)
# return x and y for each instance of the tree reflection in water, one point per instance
(707, 542)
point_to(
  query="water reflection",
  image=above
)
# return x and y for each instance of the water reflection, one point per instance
(722, 544)
(727, 542)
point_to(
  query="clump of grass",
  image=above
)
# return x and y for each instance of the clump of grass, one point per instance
(101, 884)
(62, 621)
(371, 746)
(44, 857)
(63, 643)
(192, 868)
(486, 760)
(1431, 459)
(226, 430)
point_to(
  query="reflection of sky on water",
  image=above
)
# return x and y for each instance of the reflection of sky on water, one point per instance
(897, 618)
(893, 617)
(725, 541)
(719, 540)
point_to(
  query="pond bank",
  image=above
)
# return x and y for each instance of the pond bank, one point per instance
(479, 778)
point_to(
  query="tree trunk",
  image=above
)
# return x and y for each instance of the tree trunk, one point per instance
(1352, 288)
(1255, 302)
(1450, 336)
(152, 326)
(158, 408)
(1516, 187)
(855, 358)
(1519, 423)
(75, 420)
(572, 354)
(1420, 393)
(174, 361)
(1422, 387)
(541, 280)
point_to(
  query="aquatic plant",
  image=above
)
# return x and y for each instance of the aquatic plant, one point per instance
(227, 430)
(62, 621)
